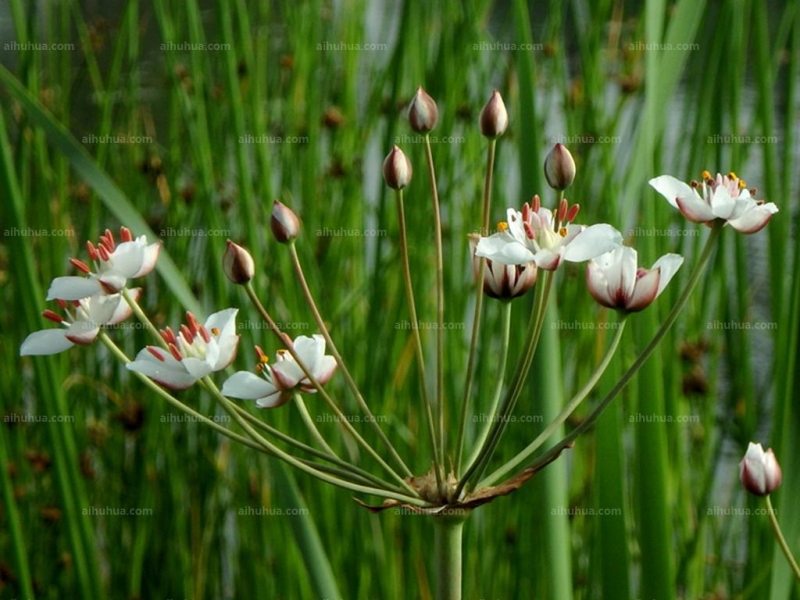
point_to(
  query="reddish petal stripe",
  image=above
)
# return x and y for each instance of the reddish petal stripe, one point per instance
(528, 230)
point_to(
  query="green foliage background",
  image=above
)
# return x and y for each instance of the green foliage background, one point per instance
(649, 508)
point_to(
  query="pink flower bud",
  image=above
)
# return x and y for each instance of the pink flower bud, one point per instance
(559, 168)
(397, 169)
(423, 112)
(759, 471)
(494, 117)
(285, 224)
(237, 264)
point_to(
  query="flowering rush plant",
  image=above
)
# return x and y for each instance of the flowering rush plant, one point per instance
(535, 243)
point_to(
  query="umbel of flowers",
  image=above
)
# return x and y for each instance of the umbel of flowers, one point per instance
(526, 251)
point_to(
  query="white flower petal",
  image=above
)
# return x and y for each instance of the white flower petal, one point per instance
(591, 242)
(82, 332)
(168, 372)
(199, 367)
(669, 265)
(247, 386)
(754, 219)
(645, 292)
(224, 320)
(73, 288)
(671, 188)
(45, 342)
(504, 248)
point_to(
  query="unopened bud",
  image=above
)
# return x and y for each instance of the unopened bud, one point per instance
(423, 112)
(559, 168)
(285, 224)
(237, 264)
(759, 471)
(397, 169)
(494, 117)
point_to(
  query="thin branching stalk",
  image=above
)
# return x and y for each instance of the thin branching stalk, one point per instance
(501, 369)
(437, 226)
(298, 269)
(476, 317)
(569, 408)
(418, 352)
(323, 393)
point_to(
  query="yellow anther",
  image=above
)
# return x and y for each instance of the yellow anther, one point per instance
(732, 175)
(742, 184)
(502, 226)
(263, 359)
(215, 330)
(562, 232)
(705, 175)
(259, 368)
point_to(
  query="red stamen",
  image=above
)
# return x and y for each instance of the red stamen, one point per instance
(52, 316)
(62, 303)
(205, 334)
(125, 234)
(92, 250)
(187, 335)
(175, 352)
(156, 352)
(537, 203)
(168, 335)
(193, 325)
(104, 253)
(562, 210)
(109, 238)
(526, 212)
(80, 265)
(573, 212)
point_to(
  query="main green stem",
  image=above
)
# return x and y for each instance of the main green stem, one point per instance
(448, 533)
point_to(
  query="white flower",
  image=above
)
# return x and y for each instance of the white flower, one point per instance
(726, 198)
(81, 327)
(759, 471)
(502, 281)
(285, 377)
(615, 281)
(115, 264)
(546, 237)
(194, 352)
